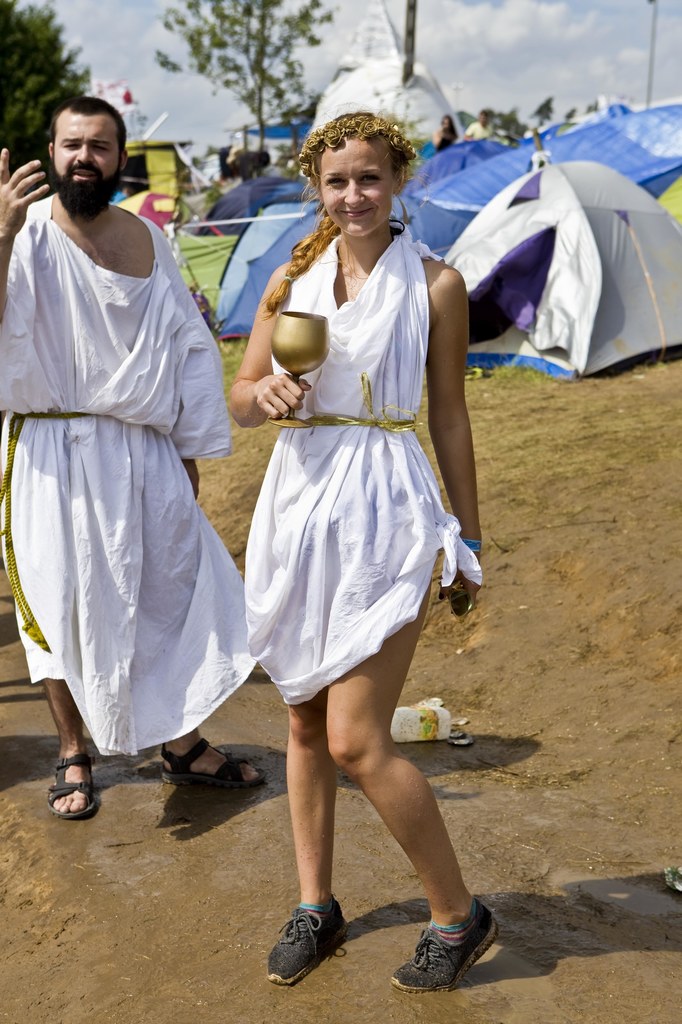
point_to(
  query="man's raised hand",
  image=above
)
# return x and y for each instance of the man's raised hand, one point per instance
(16, 195)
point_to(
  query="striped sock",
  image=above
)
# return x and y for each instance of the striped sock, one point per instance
(320, 909)
(457, 933)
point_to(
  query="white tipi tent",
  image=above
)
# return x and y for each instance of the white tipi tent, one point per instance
(573, 269)
(369, 77)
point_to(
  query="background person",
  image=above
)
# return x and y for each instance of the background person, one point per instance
(445, 135)
(348, 526)
(480, 128)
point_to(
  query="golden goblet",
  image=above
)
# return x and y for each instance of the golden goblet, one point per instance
(300, 343)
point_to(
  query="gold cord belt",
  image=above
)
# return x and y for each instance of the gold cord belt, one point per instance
(17, 420)
(383, 421)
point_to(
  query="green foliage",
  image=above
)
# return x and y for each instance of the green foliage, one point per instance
(286, 161)
(545, 111)
(249, 48)
(508, 124)
(37, 72)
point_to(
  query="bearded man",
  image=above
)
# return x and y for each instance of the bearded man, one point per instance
(131, 609)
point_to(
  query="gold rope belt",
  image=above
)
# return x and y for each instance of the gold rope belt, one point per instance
(331, 420)
(30, 627)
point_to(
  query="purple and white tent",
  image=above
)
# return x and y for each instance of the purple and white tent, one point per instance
(573, 269)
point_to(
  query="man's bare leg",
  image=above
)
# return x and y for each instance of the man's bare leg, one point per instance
(69, 725)
(208, 762)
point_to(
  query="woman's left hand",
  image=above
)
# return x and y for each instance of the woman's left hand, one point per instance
(460, 586)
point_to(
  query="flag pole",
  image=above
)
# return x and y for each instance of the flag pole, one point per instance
(652, 48)
(410, 33)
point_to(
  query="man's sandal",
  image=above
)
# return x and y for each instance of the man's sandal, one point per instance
(229, 775)
(63, 788)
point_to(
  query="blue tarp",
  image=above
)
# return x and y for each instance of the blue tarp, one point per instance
(560, 127)
(284, 131)
(435, 225)
(452, 160)
(645, 146)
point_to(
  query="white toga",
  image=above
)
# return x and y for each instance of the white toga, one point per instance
(138, 599)
(350, 520)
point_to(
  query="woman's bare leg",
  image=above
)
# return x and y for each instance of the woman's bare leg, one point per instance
(360, 709)
(311, 783)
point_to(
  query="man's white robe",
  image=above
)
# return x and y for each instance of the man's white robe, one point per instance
(138, 599)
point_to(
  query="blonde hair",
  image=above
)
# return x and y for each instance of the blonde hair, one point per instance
(360, 125)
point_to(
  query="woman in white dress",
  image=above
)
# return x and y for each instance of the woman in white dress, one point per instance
(347, 529)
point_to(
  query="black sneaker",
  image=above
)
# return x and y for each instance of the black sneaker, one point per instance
(306, 940)
(438, 965)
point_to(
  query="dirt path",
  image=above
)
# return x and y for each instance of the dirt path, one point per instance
(566, 809)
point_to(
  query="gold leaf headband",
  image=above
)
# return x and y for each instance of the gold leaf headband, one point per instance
(352, 126)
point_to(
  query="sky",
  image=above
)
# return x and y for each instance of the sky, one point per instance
(502, 54)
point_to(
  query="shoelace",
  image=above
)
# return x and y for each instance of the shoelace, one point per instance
(295, 928)
(429, 952)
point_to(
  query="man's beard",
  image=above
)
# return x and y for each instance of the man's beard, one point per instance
(85, 199)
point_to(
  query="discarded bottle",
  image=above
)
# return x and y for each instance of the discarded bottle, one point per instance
(427, 720)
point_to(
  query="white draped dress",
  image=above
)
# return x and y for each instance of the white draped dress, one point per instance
(138, 599)
(350, 520)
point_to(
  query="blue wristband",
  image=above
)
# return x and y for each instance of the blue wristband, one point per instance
(473, 545)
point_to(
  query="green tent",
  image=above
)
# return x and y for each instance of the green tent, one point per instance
(202, 262)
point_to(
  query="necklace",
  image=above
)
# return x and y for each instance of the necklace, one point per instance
(352, 280)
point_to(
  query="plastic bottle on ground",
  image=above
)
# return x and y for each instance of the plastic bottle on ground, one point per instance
(427, 720)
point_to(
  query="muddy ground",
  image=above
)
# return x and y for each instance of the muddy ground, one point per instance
(565, 811)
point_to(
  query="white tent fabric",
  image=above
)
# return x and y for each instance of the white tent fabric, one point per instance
(573, 268)
(374, 39)
(369, 77)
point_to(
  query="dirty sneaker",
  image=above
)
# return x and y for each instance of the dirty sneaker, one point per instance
(438, 964)
(306, 939)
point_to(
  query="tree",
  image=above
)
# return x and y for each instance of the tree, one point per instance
(37, 72)
(509, 124)
(545, 111)
(248, 47)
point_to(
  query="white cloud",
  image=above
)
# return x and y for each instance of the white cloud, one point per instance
(498, 53)
(497, 30)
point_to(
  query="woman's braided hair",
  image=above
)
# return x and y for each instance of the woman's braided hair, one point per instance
(360, 125)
